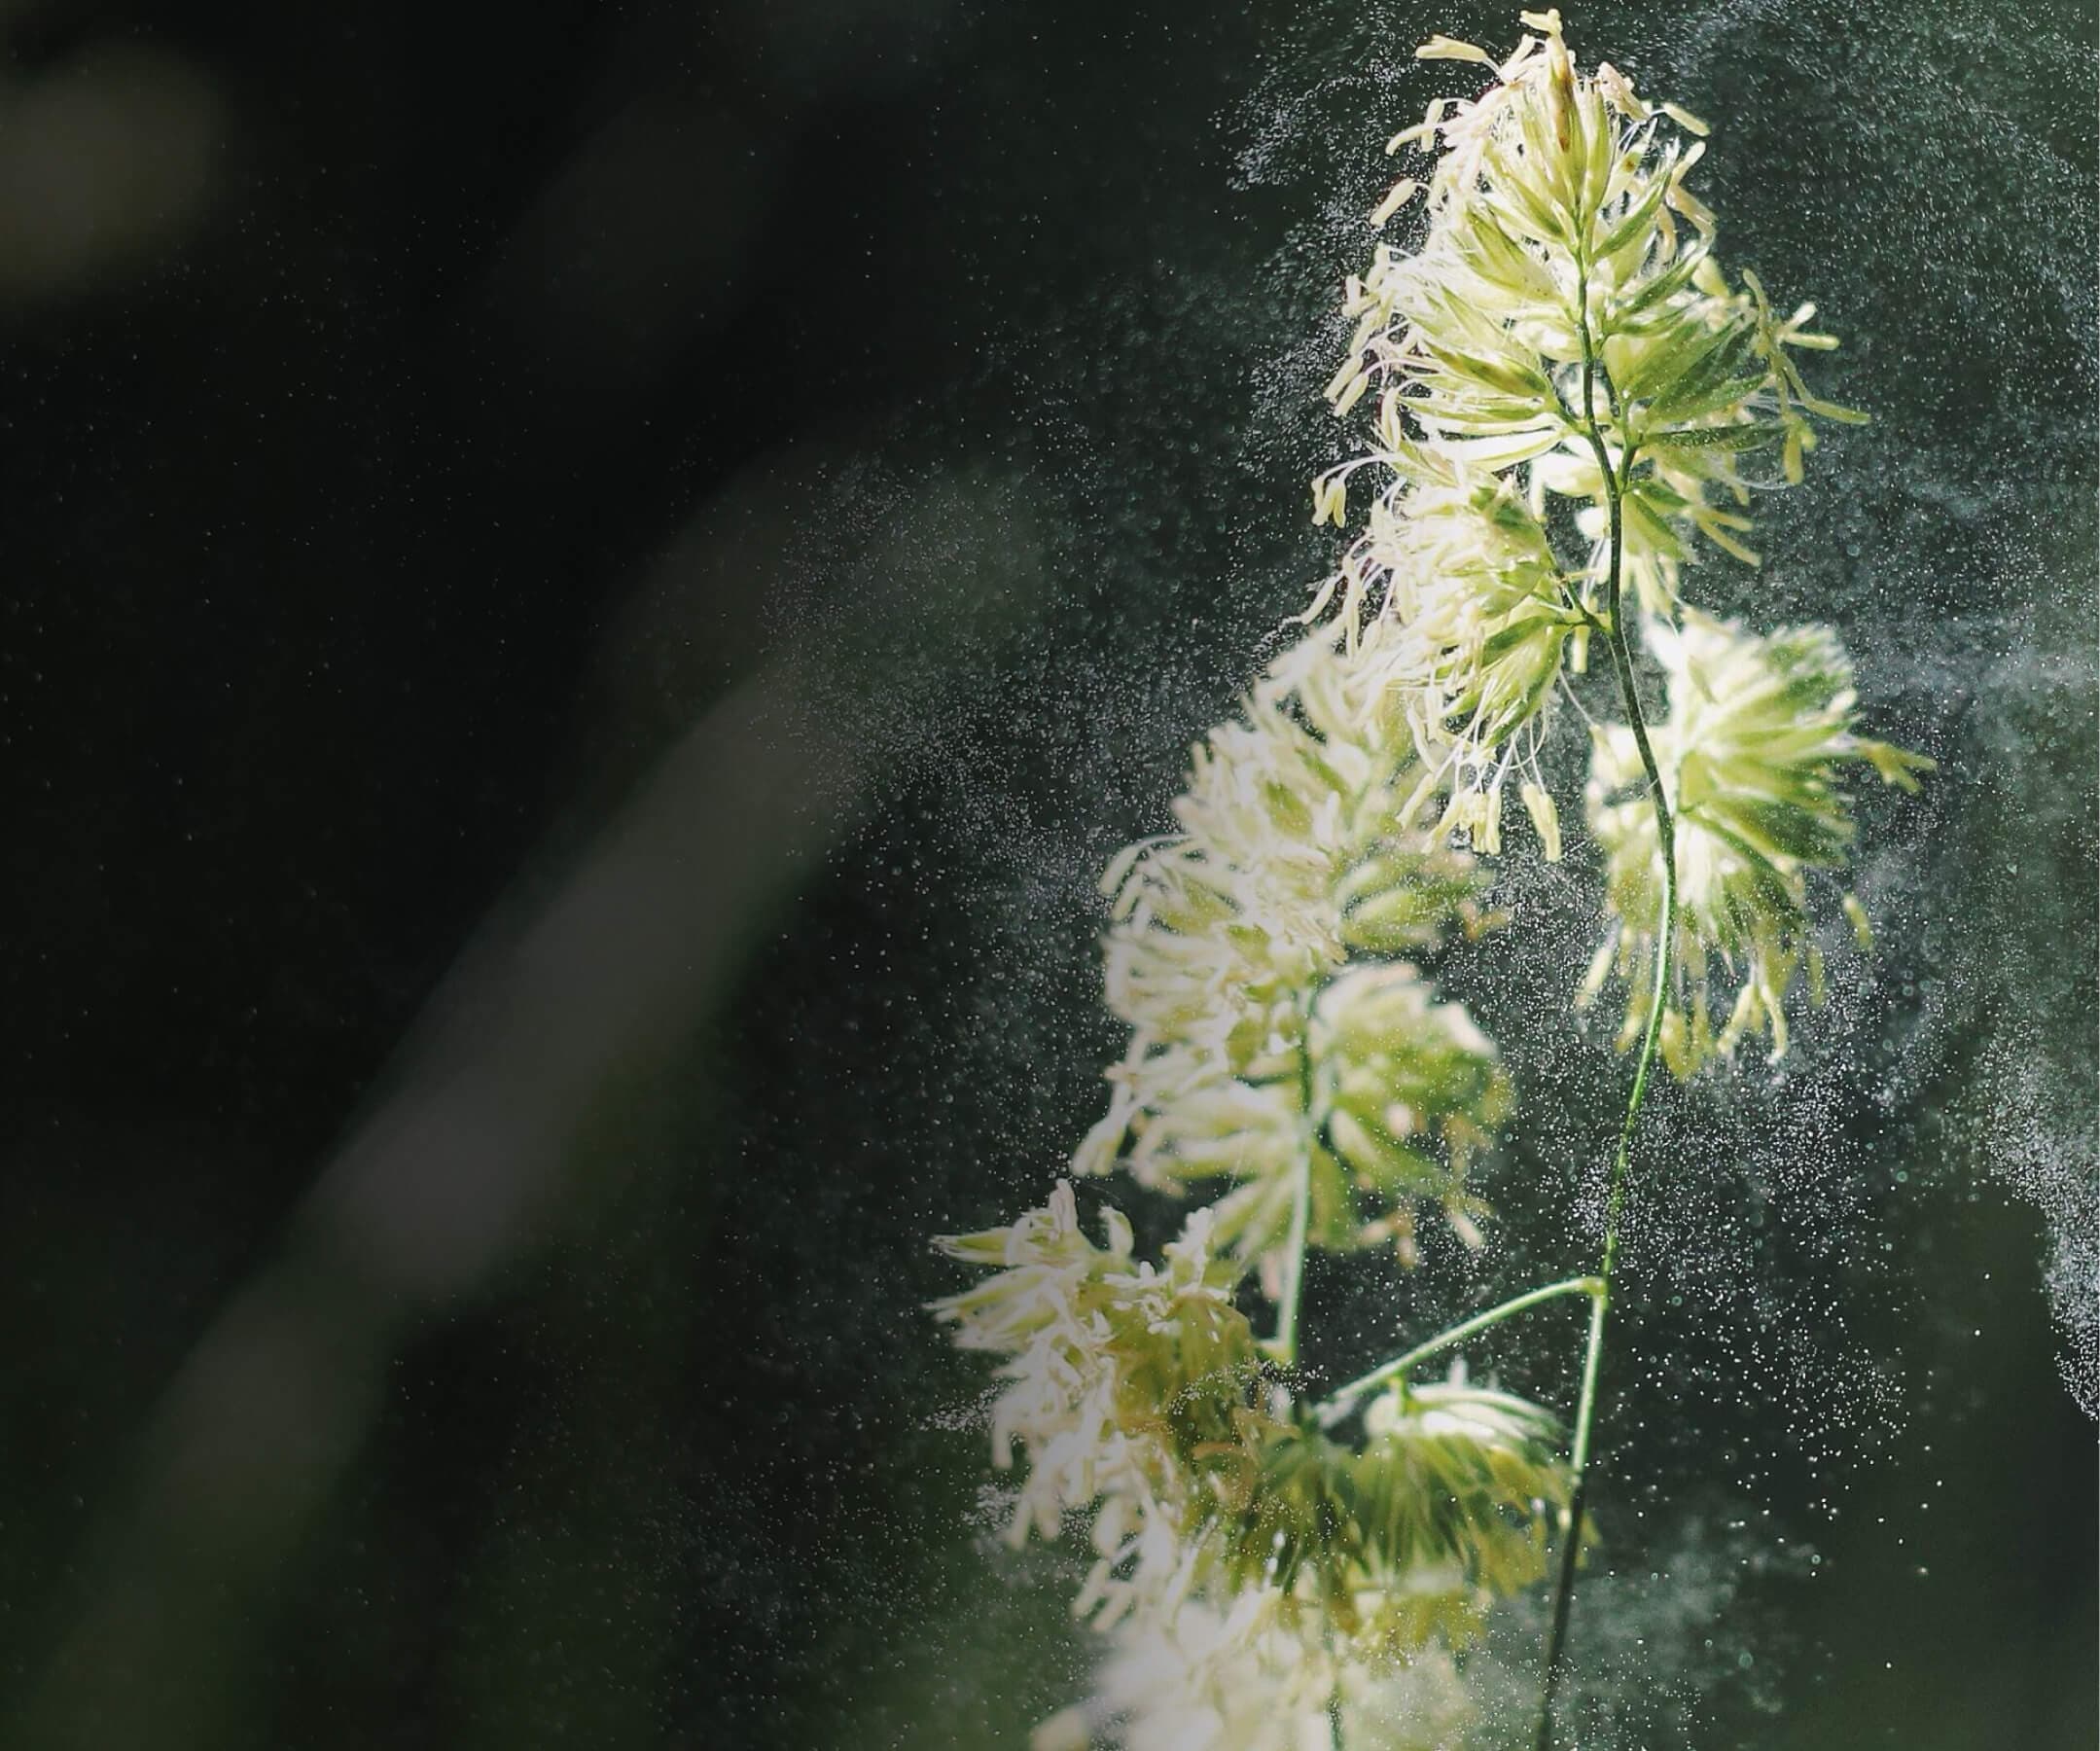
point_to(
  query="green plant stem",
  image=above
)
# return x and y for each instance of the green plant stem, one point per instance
(1284, 1344)
(1615, 486)
(1293, 1261)
(1337, 1403)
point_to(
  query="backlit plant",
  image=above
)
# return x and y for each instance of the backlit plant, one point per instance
(1568, 403)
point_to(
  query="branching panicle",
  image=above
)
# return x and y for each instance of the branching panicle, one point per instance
(1559, 352)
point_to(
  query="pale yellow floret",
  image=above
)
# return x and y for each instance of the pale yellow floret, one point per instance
(1396, 198)
(1443, 47)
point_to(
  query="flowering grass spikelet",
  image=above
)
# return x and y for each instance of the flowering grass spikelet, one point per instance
(1227, 1525)
(1248, 1677)
(1751, 754)
(1118, 1371)
(1254, 956)
(1562, 329)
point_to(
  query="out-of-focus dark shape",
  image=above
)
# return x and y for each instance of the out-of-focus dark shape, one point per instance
(463, 1165)
(104, 162)
(639, 239)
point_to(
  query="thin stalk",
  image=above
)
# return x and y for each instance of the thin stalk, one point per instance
(1284, 1344)
(1337, 1403)
(1614, 486)
(1294, 1261)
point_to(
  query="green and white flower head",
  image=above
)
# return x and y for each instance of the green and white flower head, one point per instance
(1281, 1046)
(1332, 1579)
(1249, 1677)
(1403, 1541)
(1236, 1543)
(1753, 757)
(1561, 314)
(1471, 643)
(1116, 1369)
(1240, 954)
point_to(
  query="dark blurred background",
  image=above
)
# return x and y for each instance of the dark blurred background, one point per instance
(587, 590)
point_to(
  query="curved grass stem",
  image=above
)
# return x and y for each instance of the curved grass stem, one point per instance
(1615, 481)
(1337, 1403)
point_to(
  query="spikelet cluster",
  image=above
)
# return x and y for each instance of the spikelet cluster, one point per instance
(1250, 1678)
(1241, 1551)
(1562, 333)
(1284, 1044)
(1115, 1370)
(1753, 754)
(1257, 954)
